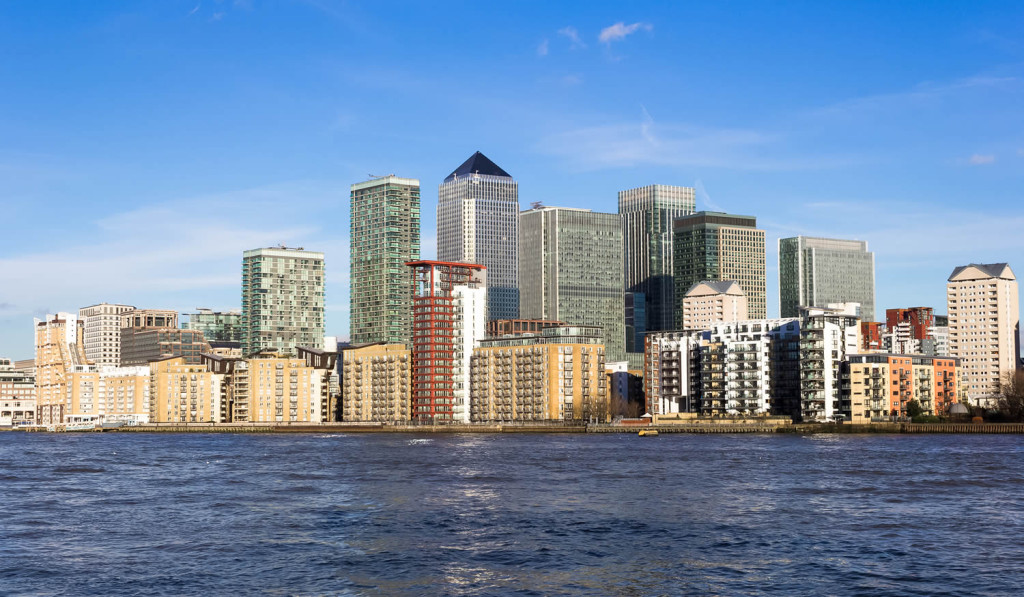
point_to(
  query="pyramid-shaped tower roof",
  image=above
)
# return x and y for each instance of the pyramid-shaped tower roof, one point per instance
(478, 163)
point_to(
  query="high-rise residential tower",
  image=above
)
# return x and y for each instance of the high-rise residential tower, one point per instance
(716, 246)
(984, 326)
(478, 222)
(282, 299)
(384, 235)
(647, 214)
(216, 326)
(570, 270)
(102, 336)
(814, 272)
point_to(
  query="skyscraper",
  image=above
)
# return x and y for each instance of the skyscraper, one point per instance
(814, 272)
(384, 235)
(716, 246)
(647, 214)
(282, 299)
(570, 270)
(984, 326)
(478, 222)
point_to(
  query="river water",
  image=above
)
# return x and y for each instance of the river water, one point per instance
(398, 514)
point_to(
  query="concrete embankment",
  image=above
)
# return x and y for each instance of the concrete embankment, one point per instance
(1003, 428)
(343, 428)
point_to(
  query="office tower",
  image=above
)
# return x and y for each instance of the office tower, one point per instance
(384, 234)
(717, 246)
(647, 214)
(282, 299)
(449, 309)
(984, 326)
(878, 387)
(58, 354)
(375, 383)
(478, 222)
(216, 326)
(636, 321)
(827, 337)
(570, 270)
(555, 374)
(814, 272)
(707, 303)
(153, 334)
(102, 336)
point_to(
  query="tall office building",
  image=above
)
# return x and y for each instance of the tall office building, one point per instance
(102, 337)
(984, 326)
(814, 272)
(282, 299)
(384, 234)
(216, 326)
(647, 214)
(449, 307)
(716, 246)
(478, 222)
(570, 270)
(152, 334)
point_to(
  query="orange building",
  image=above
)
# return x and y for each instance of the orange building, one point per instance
(870, 336)
(879, 386)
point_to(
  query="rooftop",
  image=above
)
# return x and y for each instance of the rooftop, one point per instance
(478, 163)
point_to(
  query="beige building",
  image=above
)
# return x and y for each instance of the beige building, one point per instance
(102, 335)
(58, 352)
(287, 389)
(376, 383)
(879, 386)
(17, 395)
(711, 302)
(184, 393)
(557, 375)
(109, 394)
(152, 334)
(984, 326)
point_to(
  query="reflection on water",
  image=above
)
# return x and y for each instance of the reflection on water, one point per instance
(491, 514)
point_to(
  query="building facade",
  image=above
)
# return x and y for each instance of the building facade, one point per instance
(384, 234)
(827, 337)
(647, 214)
(708, 303)
(672, 368)
(570, 270)
(879, 387)
(449, 319)
(17, 395)
(102, 335)
(152, 334)
(282, 299)
(109, 394)
(58, 353)
(478, 223)
(376, 383)
(556, 375)
(182, 392)
(984, 326)
(718, 246)
(816, 271)
(216, 326)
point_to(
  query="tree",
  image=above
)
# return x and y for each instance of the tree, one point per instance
(914, 409)
(1010, 400)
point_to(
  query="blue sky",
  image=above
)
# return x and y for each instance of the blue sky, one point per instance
(145, 145)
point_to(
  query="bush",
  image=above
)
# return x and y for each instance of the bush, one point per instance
(925, 419)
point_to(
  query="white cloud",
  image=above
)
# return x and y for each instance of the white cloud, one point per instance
(572, 80)
(542, 48)
(620, 30)
(574, 37)
(981, 159)
(194, 10)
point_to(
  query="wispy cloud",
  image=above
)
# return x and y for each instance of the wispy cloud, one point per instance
(195, 10)
(981, 159)
(576, 42)
(620, 31)
(920, 94)
(572, 80)
(542, 48)
(217, 16)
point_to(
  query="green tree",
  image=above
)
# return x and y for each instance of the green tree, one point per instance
(914, 409)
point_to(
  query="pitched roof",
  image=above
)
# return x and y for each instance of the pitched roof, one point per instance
(717, 287)
(989, 270)
(478, 163)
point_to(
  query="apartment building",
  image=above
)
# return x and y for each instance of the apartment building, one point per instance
(672, 368)
(282, 299)
(376, 383)
(58, 353)
(17, 395)
(879, 386)
(102, 335)
(183, 392)
(109, 394)
(710, 302)
(827, 337)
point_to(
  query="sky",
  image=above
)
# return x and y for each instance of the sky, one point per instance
(145, 145)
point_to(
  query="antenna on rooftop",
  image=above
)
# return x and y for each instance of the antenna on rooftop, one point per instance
(537, 205)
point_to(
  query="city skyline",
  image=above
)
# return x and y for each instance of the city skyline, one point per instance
(872, 158)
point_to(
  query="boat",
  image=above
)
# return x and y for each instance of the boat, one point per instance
(647, 432)
(90, 426)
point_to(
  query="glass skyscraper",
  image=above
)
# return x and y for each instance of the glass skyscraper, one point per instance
(282, 299)
(647, 214)
(814, 272)
(384, 235)
(570, 270)
(478, 222)
(717, 246)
